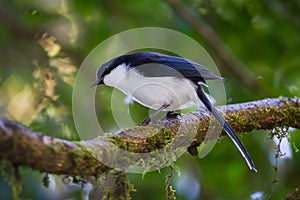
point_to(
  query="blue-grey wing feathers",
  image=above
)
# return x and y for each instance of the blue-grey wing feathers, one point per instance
(159, 65)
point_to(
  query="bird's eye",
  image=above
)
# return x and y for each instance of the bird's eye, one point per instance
(106, 71)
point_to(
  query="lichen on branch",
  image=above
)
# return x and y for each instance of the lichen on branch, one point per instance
(23, 147)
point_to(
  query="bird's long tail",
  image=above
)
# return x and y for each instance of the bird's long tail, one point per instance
(201, 94)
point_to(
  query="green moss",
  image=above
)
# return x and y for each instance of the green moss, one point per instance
(292, 115)
(168, 135)
(120, 142)
(161, 139)
(234, 117)
(84, 153)
(55, 149)
(120, 189)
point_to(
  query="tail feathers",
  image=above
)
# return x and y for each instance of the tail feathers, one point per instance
(227, 127)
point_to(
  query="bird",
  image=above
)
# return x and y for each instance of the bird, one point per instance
(164, 83)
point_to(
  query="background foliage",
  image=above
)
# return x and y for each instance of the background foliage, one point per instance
(43, 43)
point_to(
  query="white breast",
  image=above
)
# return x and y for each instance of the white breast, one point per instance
(153, 92)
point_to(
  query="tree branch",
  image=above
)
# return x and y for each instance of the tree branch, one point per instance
(23, 147)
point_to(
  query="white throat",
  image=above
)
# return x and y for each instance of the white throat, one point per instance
(153, 92)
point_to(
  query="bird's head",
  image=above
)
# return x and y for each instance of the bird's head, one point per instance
(105, 69)
(129, 60)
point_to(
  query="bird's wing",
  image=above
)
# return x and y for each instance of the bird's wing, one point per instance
(159, 65)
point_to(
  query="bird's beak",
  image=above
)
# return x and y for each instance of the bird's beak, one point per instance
(96, 83)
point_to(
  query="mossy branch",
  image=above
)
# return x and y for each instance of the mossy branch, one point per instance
(23, 147)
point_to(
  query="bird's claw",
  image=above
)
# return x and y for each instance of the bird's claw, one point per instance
(172, 115)
(146, 121)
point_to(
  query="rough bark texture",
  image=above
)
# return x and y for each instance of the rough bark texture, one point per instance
(294, 195)
(23, 147)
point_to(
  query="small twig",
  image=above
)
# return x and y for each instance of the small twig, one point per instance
(170, 192)
(280, 133)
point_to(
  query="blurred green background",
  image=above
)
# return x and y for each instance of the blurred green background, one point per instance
(43, 43)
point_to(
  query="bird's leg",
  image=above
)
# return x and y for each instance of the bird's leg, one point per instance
(172, 115)
(148, 119)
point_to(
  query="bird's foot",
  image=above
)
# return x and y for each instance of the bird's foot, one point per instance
(146, 121)
(172, 115)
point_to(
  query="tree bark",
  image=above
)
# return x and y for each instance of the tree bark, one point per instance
(23, 147)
